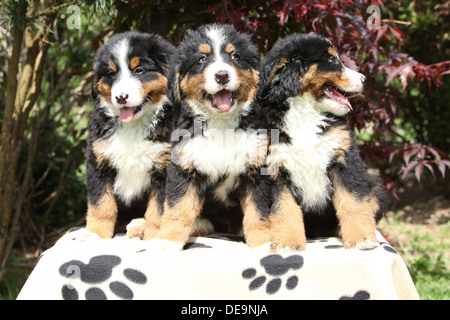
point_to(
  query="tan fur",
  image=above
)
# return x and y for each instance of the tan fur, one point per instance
(178, 220)
(191, 87)
(112, 65)
(134, 62)
(256, 229)
(98, 149)
(332, 51)
(101, 218)
(204, 48)
(104, 90)
(356, 216)
(152, 217)
(230, 48)
(156, 89)
(313, 81)
(249, 80)
(286, 224)
(341, 136)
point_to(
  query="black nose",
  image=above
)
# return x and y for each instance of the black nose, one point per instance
(363, 79)
(122, 98)
(222, 77)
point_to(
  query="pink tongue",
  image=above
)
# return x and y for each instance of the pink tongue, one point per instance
(126, 114)
(337, 96)
(222, 100)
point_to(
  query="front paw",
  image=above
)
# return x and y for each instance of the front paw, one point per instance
(202, 227)
(163, 246)
(364, 243)
(136, 228)
(287, 248)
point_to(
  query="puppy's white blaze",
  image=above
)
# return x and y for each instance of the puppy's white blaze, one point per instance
(133, 156)
(218, 41)
(217, 38)
(356, 85)
(309, 155)
(126, 83)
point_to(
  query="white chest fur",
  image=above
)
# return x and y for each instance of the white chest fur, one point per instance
(309, 154)
(133, 156)
(222, 151)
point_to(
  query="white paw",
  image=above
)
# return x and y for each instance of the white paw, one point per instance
(366, 244)
(286, 249)
(163, 246)
(136, 228)
(86, 235)
(202, 227)
(265, 248)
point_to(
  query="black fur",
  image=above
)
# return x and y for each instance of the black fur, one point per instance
(281, 75)
(188, 63)
(154, 53)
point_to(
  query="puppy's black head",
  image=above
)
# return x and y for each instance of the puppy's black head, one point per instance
(215, 69)
(131, 73)
(308, 66)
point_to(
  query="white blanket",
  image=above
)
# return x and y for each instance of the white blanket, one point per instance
(79, 266)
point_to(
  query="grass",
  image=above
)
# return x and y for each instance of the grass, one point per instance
(425, 252)
(12, 282)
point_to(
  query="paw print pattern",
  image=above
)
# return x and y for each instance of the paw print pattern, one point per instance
(275, 266)
(98, 270)
(360, 295)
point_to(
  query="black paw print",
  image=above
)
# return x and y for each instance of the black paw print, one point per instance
(98, 270)
(276, 266)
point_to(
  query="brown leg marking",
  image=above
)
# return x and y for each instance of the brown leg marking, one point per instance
(356, 218)
(256, 229)
(286, 225)
(178, 220)
(152, 217)
(101, 218)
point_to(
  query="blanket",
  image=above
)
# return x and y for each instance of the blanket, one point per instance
(81, 266)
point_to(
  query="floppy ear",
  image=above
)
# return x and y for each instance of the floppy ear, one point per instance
(173, 84)
(165, 51)
(94, 86)
(281, 79)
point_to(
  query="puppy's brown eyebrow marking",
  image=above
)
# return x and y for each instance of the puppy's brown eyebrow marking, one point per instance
(134, 62)
(230, 48)
(332, 51)
(112, 65)
(204, 48)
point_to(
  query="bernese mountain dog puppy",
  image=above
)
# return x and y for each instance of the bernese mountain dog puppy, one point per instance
(320, 183)
(213, 78)
(128, 146)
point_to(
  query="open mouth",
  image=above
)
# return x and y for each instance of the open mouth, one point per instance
(127, 113)
(222, 100)
(341, 97)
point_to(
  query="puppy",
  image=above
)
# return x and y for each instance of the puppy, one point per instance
(128, 146)
(319, 180)
(214, 80)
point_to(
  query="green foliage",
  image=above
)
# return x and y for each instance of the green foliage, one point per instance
(425, 252)
(425, 114)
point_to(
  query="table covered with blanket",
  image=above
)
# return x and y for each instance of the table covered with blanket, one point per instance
(80, 266)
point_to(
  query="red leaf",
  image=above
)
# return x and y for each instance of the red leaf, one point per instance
(408, 154)
(430, 168)
(408, 168)
(441, 165)
(284, 12)
(418, 170)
